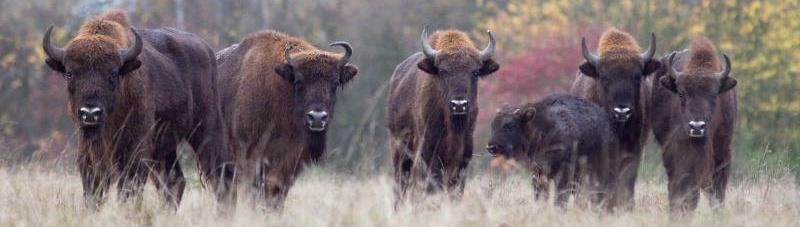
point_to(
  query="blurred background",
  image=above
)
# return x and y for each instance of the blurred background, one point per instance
(539, 51)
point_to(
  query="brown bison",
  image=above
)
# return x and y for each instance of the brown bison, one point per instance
(279, 94)
(615, 81)
(563, 139)
(134, 104)
(432, 110)
(693, 112)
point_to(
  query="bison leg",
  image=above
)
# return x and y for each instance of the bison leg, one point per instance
(682, 175)
(95, 180)
(132, 179)
(629, 170)
(402, 163)
(565, 187)
(721, 172)
(541, 187)
(214, 160)
(167, 172)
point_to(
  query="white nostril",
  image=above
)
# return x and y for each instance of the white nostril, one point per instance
(697, 124)
(459, 102)
(622, 110)
(317, 115)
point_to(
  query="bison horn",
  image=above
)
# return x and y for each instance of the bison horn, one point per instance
(727, 70)
(133, 52)
(591, 58)
(488, 52)
(651, 51)
(55, 53)
(672, 71)
(426, 46)
(348, 51)
(287, 56)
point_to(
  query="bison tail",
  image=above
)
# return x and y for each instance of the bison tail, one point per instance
(119, 16)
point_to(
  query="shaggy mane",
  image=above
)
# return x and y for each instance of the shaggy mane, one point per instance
(617, 45)
(702, 57)
(451, 39)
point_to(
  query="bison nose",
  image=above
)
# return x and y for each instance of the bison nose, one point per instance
(459, 106)
(90, 115)
(317, 120)
(622, 113)
(697, 128)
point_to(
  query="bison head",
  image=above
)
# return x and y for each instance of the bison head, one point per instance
(620, 80)
(315, 78)
(92, 67)
(457, 71)
(508, 137)
(698, 93)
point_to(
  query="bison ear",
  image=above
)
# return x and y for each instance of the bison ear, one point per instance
(429, 66)
(286, 71)
(727, 84)
(489, 66)
(129, 66)
(589, 70)
(650, 67)
(669, 83)
(349, 71)
(55, 65)
(528, 113)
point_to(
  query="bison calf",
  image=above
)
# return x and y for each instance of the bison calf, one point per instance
(694, 113)
(562, 139)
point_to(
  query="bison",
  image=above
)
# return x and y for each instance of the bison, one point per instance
(135, 103)
(693, 113)
(279, 94)
(563, 139)
(432, 109)
(615, 81)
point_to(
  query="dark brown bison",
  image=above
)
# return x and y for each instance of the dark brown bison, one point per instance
(562, 139)
(432, 110)
(279, 94)
(134, 104)
(693, 112)
(614, 79)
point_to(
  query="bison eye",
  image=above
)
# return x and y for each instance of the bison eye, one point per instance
(68, 75)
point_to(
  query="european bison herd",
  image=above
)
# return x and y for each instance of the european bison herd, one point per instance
(257, 112)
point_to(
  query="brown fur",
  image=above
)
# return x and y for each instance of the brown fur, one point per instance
(264, 111)
(169, 98)
(694, 164)
(621, 66)
(430, 147)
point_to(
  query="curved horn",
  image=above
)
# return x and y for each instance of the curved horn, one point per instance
(591, 58)
(673, 73)
(488, 52)
(426, 46)
(727, 70)
(133, 52)
(651, 51)
(55, 53)
(348, 51)
(287, 56)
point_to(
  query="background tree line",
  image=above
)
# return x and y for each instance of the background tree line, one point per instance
(538, 49)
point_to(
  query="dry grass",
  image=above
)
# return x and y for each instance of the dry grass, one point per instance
(37, 196)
